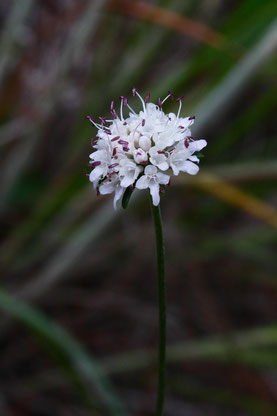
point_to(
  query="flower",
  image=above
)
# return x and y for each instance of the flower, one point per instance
(136, 151)
(152, 179)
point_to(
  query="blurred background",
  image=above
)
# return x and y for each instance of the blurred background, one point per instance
(78, 297)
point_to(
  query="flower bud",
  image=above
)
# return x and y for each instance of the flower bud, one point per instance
(145, 143)
(140, 156)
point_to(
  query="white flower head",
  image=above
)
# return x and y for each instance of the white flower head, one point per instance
(136, 151)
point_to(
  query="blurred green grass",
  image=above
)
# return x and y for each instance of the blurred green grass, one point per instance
(61, 61)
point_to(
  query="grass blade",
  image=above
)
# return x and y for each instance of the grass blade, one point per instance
(79, 365)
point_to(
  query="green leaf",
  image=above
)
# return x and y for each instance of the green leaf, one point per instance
(82, 370)
(126, 196)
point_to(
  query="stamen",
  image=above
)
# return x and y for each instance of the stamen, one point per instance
(123, 142)
(192, 118)
(147, 97)
(92, 120)
(160, 103)
(135, 92)
(126, 149)
(143, 123)
(186, 142)
(103, 119)
(97, 163)
(115, 138)
(114, 151)
(113, 165)
(180, 106)
(113, 113)
(85, 174)
(162, 189)
(123, 103)
(130, 108)
(169, 95)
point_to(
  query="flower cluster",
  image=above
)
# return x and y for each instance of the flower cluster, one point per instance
(136, 151)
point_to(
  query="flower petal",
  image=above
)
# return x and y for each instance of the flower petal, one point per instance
(197, 145)
(96, 173)
(150, 170)
(117, 195)
(190, 168)
(142, 182)
(155, 193)
(163, 179)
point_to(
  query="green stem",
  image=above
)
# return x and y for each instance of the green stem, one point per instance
(156, 213)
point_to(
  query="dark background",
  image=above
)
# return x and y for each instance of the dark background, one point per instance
(88, 271)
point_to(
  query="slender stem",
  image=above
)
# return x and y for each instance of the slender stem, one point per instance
(156, 213)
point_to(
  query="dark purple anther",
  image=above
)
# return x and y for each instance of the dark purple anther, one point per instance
(145, 162)
(103, 119)
(179, 99)
(91, 119)
(192, 118)
(138, 153)
(160, 103)
(112, 105)
(126, 149)
(123, 142)
(186, 143)
(147, 97)
(113, 165)
(134, 91)
(85, 174)
(107, 131)
(113, 113)
(171, 95)
(124, 99)
(191, 138)
(162, 189)
(97, 191)
(161, 152)
(114, 151)
(181, 127)
(143, 123)
(97, 163)
(115, 138)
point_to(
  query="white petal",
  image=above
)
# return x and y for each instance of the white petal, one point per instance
(193, 158)
(96, 173)
(190, 168)
(127, 181)
(155, 193)
(107, 188)
(175, 169)
(150, 170)
(117, 195)
(142, 182)
(163, 179)
(197, 145)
